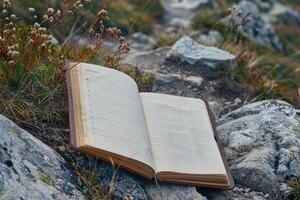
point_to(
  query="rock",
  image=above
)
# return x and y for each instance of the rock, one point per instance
(121, 182)
(31, 170)
(188, 4)
(141, 42)
(215, 108)
(180, 12)
(188, 50)
(212, 38)
(172, 192)
(284, 14)
(259, 29)
(264, 5)
(257, 140)
(295, 168)
(150, 60)
(215, 194)
(283, 163)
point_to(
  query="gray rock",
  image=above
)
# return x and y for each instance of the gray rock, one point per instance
(188, 4)
(171, 192)
(188, 50)
(265, 5)
(216, 194)
(257, 139)
(150, 60)
(120, 182)
(212, 38)
(141, 42)
(295, 168)
(180, 12)
(284, 14)
(215, 108)
(259, 29)
(31, 170)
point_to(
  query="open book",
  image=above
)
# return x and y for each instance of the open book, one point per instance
(154, 135)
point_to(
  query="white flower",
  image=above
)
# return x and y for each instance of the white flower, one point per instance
(50, 11)
(36, 25)
(58, 13)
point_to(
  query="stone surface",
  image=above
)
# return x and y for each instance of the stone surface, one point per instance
(31, 170)
(150, 60)
(257, 139)
(178, 13)
(171, 192)
(284, 14)
(174, 76)
(212, 38)
(188, 50)
(259, 29)
(141, 42)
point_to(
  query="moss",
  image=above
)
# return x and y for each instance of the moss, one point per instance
(13, 133)
(45, 178)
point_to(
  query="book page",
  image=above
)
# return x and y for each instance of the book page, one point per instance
(113, 114)
(181, 135)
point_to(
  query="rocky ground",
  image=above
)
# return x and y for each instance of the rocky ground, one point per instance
(261, 139)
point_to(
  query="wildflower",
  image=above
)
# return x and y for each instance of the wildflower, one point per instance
(50, 11)
(58, 13)
(36, 25)
(12, 62)
(113, 32)
(15, 54)
(103, 15)
(42, 29)
(13, 17)
(51, 19)
(4, 12)
(45, 17)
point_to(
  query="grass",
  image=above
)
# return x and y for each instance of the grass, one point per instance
(262, 69)
(123, 13)
(32, 73)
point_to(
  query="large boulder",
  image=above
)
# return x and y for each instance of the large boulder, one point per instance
(284, 14)
(261, 143)
(31, 170)
(259, 29)
(188, 50)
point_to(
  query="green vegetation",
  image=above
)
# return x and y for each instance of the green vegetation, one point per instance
(45, 179)
(32, 68)
(167, 39)
(273, 74)
(128, 15)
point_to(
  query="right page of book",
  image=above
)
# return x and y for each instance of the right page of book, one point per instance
(181, 135)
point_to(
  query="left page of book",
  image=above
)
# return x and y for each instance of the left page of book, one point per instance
(111, 113)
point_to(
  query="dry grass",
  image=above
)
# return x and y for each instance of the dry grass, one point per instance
(261, 69)
(32, 74)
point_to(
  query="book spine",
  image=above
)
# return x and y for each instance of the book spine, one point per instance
(71, 109)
